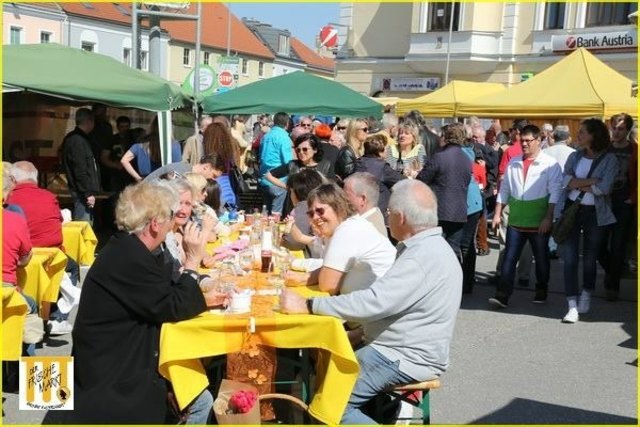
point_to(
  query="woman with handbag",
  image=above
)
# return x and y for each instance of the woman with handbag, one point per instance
(588, 179)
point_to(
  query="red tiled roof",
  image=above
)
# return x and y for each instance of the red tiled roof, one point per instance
(307, 55)
(214, 25)
(214, 31)
(103, 11)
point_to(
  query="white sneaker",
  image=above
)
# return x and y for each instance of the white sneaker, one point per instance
(584, 303)
(572, 316)
(60, 327)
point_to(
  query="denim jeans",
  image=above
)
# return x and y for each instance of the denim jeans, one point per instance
(594, 237)
(274, 197)
(613, 253)
(515, 242)
(81, 212)
(200, 408)
(377, 373)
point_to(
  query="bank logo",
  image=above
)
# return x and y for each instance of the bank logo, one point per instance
(46, 382)
(571, 42)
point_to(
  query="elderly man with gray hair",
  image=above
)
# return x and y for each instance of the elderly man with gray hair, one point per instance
(363, 192)
(409, 313)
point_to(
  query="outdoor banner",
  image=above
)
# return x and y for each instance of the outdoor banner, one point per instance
(207, 81)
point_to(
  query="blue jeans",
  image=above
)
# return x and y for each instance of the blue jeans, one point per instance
(514, 244)
(613, 253)
(594, 237)
(377, 373)
(81, 212)
(274, 197)
(200, 408)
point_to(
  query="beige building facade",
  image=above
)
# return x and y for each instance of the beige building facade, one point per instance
(406, 49)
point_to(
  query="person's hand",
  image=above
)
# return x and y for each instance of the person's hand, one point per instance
(481, 162)
(208, 223)
(355, 336)
(215, 298)
(296, 278)
(208, 261)
(545, 225)
(193, 242)
(292, 303)
(91, 201)
(497, 220)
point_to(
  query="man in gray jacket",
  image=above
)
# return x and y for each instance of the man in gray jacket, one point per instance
(408, 315)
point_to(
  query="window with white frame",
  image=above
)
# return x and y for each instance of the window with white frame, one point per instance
(206, 58)
(144, 60)
(45, 37)
(554, 15)
(283, 44)
(245, 67)
(126, 56)
(88, 46)
(260, 69)
(603, 14)
(186, 57)
(440, 14)
(15, 35)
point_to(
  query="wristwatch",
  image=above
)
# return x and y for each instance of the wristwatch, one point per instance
(194, 274)
(310, 305)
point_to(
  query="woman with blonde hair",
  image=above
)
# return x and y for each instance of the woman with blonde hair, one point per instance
(408, 156)
(357, 132)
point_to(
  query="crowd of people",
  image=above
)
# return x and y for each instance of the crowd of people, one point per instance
(390, 213)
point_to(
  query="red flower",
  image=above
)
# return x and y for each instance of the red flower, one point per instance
(242, 401)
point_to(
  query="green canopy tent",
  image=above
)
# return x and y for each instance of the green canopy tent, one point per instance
(64, 72)
(298, 93)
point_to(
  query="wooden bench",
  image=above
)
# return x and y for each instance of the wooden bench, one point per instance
(407, 393)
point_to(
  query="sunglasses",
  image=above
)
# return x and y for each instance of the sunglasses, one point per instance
(302, 149)
(311, 213)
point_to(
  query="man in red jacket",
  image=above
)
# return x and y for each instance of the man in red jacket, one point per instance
(44, 220)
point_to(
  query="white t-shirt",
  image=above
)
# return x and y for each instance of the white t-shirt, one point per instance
(360, 251)
(582, 170)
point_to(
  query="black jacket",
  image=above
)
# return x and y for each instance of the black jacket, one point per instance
(80, 165)
(386, 176)
(126, 296)
(346, 162)
(448, 174)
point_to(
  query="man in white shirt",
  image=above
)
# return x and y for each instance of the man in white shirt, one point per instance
(363, 193)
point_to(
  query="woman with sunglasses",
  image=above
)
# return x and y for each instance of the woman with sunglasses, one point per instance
(356, 254)
(357, 132)
(308, 156)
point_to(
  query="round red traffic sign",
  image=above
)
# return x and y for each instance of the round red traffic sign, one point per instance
(225, 78)
(328, 36)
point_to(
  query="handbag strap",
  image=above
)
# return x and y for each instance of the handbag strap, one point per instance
(594, 164)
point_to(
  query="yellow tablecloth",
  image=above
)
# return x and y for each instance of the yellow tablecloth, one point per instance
(182, 344)
(79, 241)
(14, 311)
(40, 279)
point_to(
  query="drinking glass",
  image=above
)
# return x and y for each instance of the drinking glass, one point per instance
(245, 259)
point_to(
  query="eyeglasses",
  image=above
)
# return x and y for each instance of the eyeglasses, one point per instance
(305, 125)
(364, 129)
(342, 128)
(527, 141)
(302, 149)
(311, 213)
(172, 215)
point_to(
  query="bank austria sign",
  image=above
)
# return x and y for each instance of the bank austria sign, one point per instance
(596, 41)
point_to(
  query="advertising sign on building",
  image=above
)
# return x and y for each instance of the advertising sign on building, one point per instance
(595, 41)
(401, 84)
(228, 69)
(207, 81)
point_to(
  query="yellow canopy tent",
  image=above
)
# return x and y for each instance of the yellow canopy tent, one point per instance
(444, 102)
(579, 85)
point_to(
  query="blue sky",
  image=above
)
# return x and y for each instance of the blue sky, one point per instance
(303, 20)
